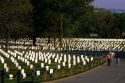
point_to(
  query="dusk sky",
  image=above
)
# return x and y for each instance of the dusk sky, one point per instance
(110, 4)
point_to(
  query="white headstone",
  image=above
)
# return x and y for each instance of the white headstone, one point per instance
(69, 65)
(92, 58)
(10, 76)
(5, 65)
(19, 67)
(59, 67)
(64, 64)
(31, 66)
(42, 65)
(51, 71)
(7, 69)
(24, 75)
(47, 68)
(38, 73)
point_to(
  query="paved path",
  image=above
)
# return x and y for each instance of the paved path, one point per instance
(102, 74)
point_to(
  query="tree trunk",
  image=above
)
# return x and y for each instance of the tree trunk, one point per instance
(34, 40)
(61, 31)
(7, 37)
(54, 40)
(6, 43)
(48, 40)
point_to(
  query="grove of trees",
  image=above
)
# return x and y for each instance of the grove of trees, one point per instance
(57, 19)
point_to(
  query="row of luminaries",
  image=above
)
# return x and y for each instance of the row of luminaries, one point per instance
(73, 44)
(41, 59)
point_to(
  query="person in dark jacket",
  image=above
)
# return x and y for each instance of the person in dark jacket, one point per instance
(117, 57)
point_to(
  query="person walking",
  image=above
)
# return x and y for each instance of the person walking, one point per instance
(109, 59)
(117, 57)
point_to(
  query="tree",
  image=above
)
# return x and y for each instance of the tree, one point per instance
(12, 16)
(58, 16)
(118, 24)
(85, 22)
(102, 23)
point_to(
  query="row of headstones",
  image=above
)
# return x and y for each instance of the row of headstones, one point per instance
(31, 66)
(16, 47)
(56, 57)
(19, 41)
(5, 66)
(15, 62)
(28, 41)
(19, 56)
(42, 64)
(48, 60)
(96, 45)
(44, 47)
(89, 47)
(59, 59)
(19, 67)
(64, 39)
(83, 44)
